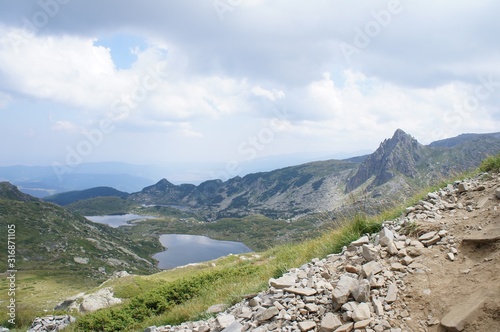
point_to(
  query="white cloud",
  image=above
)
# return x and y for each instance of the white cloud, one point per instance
(67, 69)
(272, 95)
(367, 110)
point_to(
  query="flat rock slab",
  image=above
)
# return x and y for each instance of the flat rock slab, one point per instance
(301, 291)
(267, 314)
(329, 323)
(372, 267)
(345, 328)
(488, 235)
(464, 312)
(307, 325)
(234, 327)
(427, 236)
(283, 282)
(361, 241)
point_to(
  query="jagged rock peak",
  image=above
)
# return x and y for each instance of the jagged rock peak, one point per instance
(399, 133)
(398, 137)
(398, 154)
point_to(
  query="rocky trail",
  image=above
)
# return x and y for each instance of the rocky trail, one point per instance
(434, 269)
(444, 275)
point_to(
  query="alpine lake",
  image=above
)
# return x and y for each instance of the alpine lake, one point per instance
(181, 249)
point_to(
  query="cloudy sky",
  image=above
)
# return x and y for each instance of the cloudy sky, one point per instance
(231, 81)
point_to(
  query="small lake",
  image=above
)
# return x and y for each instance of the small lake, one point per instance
(118, 220)
(186, 249)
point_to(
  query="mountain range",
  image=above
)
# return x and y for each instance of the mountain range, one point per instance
(395, 171)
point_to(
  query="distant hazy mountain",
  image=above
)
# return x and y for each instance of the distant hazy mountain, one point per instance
(42, 181)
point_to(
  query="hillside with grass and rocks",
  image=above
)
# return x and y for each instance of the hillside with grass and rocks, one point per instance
(436, 268)
(50, 237)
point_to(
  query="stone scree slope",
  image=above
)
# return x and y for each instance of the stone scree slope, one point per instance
(371, 285)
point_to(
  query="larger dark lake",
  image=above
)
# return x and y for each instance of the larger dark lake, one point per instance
(181, 249)
(186, 249)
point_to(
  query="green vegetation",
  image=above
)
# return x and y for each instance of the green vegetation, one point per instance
(40, 291)
(77, 195)
(492, 163)
(257, 232)
(49, 237)
(174, 296)
(161, 299)
(59, 254)
(101, 205)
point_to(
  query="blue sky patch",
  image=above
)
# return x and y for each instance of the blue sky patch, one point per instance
(122, 48)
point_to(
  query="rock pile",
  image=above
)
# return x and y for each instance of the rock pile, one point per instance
(361, 289)
(51, 323)
(357, 289)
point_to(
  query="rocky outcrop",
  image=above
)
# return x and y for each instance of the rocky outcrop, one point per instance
(103, 298)
(51, 323)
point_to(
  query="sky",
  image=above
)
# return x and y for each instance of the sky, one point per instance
(233, 81)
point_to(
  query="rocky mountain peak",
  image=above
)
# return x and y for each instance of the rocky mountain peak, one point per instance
(399, 154)
(400, 138)
(160, 186)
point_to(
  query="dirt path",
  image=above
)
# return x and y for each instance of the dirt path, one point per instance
(467, 289)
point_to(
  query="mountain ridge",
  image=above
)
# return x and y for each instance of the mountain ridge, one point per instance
(399, 166)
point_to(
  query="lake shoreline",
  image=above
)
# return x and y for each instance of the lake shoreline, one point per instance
(184, 249)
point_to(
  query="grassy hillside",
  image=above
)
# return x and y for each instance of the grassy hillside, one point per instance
(49, 237)
(101, 205)
(59, 253)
